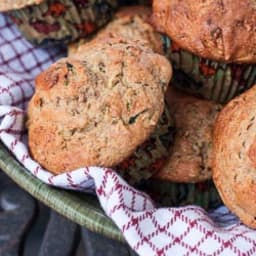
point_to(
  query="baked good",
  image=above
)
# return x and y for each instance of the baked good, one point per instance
(234, 156)
(51, 22)
(130, 23)
(151, 155)
(191, 157)
(216, 30)
(96, 111)
(212, 43)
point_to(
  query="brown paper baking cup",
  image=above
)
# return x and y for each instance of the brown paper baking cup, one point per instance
(62, 21)
(150, 157)
(212, 80)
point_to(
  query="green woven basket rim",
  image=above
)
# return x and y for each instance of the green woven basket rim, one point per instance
(82, 208)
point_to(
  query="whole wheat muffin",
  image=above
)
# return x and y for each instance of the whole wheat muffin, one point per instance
(96, 111)
(234, 156)
(129, 23)
(211, 44)
(190, 160)
(217, 30)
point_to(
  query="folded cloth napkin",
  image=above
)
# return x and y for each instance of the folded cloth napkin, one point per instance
(148, 230)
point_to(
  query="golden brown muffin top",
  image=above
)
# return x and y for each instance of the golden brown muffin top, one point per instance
(234, 156)
(218, 30)
(96, 111)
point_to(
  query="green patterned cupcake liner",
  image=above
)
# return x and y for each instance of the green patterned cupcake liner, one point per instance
(152, 154)
(212, 80)
(62, 21)
(170, 194)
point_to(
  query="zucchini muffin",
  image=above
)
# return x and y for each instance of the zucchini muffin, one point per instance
(212, 42)
(97, 111)
(234, 156)
(190, 160)
(218, 30)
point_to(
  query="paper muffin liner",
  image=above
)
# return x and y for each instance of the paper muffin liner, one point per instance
(62, 21)
(210, 79)
(152, 154)
(171, 194)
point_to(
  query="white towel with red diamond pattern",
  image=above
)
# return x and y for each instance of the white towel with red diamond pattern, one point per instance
(148, 230)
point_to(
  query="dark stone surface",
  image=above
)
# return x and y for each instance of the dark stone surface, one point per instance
(34, 237)
(98, 245)
(16, 213)
(61, 237)
(29, 228)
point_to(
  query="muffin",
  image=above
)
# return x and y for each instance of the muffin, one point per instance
(59, 21)
(190, 160)
(211, 42)
(131, 23)
(234, 156)
(97, 111)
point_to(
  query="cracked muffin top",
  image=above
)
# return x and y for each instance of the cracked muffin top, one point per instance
(234, 156)
(222, 30)
(191, 157)
(96, 111)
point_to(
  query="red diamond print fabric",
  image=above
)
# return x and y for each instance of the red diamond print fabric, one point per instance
(148, 230)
